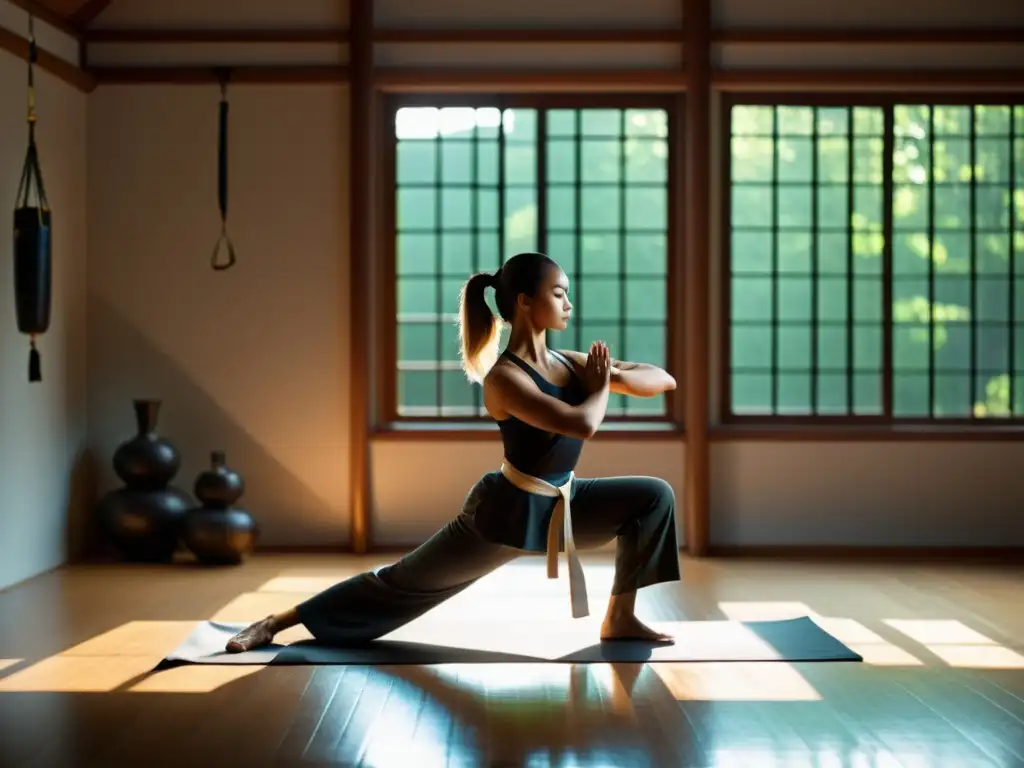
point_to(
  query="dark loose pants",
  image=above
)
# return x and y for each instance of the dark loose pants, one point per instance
(638, 511)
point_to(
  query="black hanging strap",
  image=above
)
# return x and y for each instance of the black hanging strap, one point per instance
(31, 171)
(224, 241)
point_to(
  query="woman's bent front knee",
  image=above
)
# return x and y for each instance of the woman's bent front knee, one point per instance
(662, 495)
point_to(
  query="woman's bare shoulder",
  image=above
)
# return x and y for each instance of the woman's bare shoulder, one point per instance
(502, 377)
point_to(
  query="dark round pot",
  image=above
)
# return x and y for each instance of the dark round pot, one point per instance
(219, 536)
(144, 526)
(218, 487)
(146, 461)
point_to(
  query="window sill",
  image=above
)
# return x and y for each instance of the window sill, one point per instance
(867, 433)
(485, 431)
(627, 431)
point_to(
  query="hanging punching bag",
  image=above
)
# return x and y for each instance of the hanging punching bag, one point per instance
(33, 239)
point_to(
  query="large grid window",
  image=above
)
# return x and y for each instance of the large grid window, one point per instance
(476, 185)
(874, 261)
(806, 260)
(958, 233)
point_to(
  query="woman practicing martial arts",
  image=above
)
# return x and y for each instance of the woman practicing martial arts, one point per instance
(546, 404)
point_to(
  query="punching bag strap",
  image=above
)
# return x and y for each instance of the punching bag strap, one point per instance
(31, 172)
(224, 241)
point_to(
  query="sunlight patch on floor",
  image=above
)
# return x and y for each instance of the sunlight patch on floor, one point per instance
(957, 644)
(875, 649)
(735, 681)
(78, 674)
(114, 659)
(194, 678)
(135, 638)
(765, 610)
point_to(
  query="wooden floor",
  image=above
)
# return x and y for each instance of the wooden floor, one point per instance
(942, 683)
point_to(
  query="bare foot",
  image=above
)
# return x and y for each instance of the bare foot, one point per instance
(631, 628)
(254, 636)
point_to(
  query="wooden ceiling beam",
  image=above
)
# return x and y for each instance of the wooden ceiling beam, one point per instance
(387, 36)
(498, 36)
(69, 73)
(195, 75)
(878, 80)
(890, 36)
(48, 16)
(191, 36)
(87, 13)
(509, 80)
(411, 80)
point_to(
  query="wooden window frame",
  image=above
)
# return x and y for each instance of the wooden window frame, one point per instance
(737, 426)
(387, 422)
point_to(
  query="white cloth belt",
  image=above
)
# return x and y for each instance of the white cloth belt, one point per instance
(561, 515)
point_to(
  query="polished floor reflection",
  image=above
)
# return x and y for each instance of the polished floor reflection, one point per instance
(942, 683)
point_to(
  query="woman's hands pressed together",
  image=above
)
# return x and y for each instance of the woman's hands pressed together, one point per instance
(597, 374)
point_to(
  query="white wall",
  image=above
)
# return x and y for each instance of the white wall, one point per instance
(255, 360)
(252, 360)
(44, 477)
(875, 494)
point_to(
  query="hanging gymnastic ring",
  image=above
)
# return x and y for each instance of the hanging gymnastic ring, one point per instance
(223, 76)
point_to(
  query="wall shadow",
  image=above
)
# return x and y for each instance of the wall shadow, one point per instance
(82, 540)
(127, 365)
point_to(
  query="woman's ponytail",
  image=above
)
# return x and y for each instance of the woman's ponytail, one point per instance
(479, 328)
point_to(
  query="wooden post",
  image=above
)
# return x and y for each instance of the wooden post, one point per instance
(697, 54)
(359, 254)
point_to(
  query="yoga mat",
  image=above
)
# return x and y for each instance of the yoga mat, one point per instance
(787, 640)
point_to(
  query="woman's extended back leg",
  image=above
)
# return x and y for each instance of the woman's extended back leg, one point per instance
(370, 605)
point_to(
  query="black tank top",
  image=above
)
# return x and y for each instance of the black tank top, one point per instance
(548, 455)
